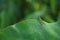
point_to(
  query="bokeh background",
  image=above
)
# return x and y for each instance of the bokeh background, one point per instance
(29, 19)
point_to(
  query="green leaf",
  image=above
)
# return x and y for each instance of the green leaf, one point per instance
(53, 4)
(31, 29)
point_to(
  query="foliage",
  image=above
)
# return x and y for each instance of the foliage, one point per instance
(29, 20)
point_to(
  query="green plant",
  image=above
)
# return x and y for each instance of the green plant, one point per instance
(29, 20)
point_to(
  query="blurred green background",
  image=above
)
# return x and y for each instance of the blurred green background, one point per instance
(29, 19)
